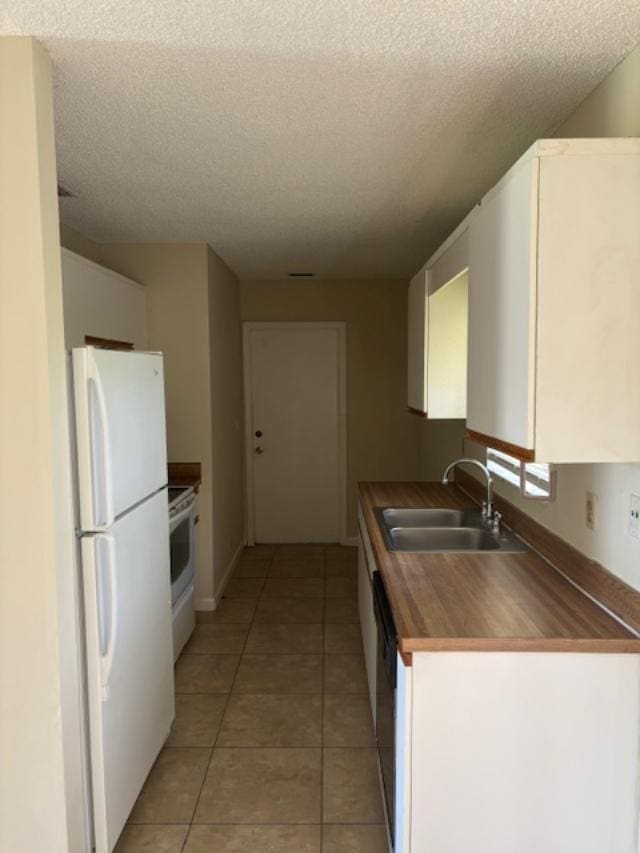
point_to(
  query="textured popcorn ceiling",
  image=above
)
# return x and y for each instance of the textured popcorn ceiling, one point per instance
(338, 136)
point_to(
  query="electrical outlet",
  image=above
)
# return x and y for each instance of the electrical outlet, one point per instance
(590, 511)
(634, 516)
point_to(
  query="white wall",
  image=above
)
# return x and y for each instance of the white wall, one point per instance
(41, 799)
(612, 109)
(101, 303)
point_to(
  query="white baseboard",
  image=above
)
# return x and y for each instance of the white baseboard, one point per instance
(227, 575)
(211, 602)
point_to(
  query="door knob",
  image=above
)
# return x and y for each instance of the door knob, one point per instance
(259, 450)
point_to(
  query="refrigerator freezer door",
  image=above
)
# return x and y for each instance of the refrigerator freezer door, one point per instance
(121, 433)
(127, 595)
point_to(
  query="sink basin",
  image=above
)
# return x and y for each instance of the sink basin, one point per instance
(442, 539)
(432, 517)
(442, 529)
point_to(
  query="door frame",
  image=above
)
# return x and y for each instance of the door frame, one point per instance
(341, 329)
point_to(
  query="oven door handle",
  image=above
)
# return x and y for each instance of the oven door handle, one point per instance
(184, 513)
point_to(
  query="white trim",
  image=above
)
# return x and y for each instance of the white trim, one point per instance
(93, 265)
(341, 328)
(217, 594)
(403, 736)
(248, 419)
(205, 604)
(451, 239)
(211, 602)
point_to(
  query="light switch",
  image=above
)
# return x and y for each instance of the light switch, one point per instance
(634, 516)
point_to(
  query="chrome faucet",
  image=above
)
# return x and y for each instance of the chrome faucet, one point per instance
(487, 506)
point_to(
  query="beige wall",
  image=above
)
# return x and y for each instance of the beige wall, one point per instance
(175, 277)
(382, 438)
(81, 245)
(41, 799)
(613, 109)
(193, 317)
(227, 418)
(440, 443)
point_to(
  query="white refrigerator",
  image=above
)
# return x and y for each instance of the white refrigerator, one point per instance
(124, 547)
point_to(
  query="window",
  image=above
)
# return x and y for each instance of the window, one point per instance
(536, 480)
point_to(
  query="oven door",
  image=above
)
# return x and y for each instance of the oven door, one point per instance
(386, 675)
(182, 549)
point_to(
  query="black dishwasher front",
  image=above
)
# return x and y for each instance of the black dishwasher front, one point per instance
(386, 678)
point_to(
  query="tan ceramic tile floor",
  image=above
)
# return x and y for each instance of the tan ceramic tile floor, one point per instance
(272, 749)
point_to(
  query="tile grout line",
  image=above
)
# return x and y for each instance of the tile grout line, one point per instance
(243, 653)
(264, 823)
(322, 686)
(229, 694)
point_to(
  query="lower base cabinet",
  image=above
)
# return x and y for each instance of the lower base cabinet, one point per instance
(497, 752)
(527, 752)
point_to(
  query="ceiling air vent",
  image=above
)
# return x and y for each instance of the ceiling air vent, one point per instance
(301, 274)
(63, 192)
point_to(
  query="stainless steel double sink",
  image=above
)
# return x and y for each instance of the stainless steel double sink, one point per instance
(443, 530)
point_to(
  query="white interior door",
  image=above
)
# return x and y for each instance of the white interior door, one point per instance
(127, 594)
(295, 394)
(121, 432)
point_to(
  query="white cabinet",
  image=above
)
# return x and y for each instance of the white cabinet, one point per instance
(100, 303)
(501, 306)
(367, 618)
(417, 344)
(437, 351)
(523, 752)
(554, 305)
(447, 350)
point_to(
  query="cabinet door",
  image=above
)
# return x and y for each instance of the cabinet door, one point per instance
(447, 350)
(588, 340)
(418, 324)
(367, 624)
(502, 282)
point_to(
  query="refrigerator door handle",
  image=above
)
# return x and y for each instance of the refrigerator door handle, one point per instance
(105, 478)
(106, 657)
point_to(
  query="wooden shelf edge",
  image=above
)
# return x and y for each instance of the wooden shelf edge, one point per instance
(521, 644)
(525, 454)
(416, 412)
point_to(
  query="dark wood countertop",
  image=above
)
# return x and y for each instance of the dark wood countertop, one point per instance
(185, 474)
(481, 601)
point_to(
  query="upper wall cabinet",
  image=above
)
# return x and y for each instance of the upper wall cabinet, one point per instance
(438, 331)
(447, 350)
(417, 348)
(100, 303)
(554, 305)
